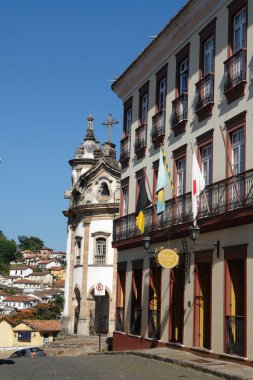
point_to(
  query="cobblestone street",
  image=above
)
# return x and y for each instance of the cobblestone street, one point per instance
(104, 367)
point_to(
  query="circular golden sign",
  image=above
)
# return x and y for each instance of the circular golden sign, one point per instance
(168, 258)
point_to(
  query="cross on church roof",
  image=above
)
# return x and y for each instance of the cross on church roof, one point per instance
(109, 124)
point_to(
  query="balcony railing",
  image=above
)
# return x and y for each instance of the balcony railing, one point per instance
(119, 319)
(179, 110)
(136, 321)
(154, 324)
(140, 138)
(235, 69)
(125, 148)
(204, 91)
(222, 197)
(158, 126)
(100, 260)
(235, 336)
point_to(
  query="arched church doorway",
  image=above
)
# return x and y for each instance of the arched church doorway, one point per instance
(99, 316)
(77, 309)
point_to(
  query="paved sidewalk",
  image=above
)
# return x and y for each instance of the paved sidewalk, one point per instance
(219, 368)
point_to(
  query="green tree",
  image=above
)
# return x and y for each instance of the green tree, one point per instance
(8, 251)
(51, 310)
(32, 243)
(2, 235)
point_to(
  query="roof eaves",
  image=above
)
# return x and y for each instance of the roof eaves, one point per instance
(151, 43)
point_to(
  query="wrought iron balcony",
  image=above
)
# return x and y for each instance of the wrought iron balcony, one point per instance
(119, 319)
(136, 321)
(140, 138)
(204, 96)
(154, 324)
(158, 128)
(235, 335)
(125, 148)
(221, 197)
(179, 113)
(235, 74)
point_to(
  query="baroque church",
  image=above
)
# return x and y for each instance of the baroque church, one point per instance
(91, 260)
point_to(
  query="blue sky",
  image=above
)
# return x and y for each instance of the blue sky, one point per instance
(57, 57)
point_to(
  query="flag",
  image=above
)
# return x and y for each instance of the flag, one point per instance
(168, 170)
(198, 185)
(142, 203)
(162, 181)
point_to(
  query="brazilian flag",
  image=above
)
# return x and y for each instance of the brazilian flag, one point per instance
(142, 203)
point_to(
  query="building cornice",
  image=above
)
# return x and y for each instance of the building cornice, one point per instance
(170, 40)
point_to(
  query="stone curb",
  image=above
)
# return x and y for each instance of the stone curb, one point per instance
(178, 362)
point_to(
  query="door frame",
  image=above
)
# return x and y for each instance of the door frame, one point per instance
(202, 257)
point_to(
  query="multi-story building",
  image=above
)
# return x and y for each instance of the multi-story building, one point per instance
(20, 270)
(192, 84)
(90, 257)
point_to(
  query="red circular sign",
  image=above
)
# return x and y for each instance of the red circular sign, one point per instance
(99, 287)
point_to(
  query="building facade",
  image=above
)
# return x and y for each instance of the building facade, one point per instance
(90, 258)
(191, 86)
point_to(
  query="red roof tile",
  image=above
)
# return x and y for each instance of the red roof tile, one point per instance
(43, 325)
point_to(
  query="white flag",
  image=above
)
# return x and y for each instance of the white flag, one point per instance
(198, 185)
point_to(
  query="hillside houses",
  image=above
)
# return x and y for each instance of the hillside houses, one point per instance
(20, 270)
(44, 277)
(28, 285)
(20, 302)
(36, 277)
(47, 264)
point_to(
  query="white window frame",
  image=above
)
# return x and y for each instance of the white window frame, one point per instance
(209, 56)
(240, 28)
(206, 161)
(128, 121)
(183, 76)
(237, 149)
(180, 176)
(162, 94)
(144, 109)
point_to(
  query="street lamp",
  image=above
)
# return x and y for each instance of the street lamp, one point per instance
(194, 232)
(146, 242)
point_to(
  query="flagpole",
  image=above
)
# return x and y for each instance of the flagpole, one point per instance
(151, 194)
(171, 182)
(230, 166)
(204, 192)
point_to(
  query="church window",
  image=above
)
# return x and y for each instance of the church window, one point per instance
(101, 251)
(78, 250)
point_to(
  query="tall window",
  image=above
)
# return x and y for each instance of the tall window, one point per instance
(206, 158)
(208, 56)
(100, 256)
(136, 298)
(120, 299)
(78, 249)
(239, 30)
(180, 164)
(101, 247)
(237, 150)
(162, 94)
(128, 121)
(144, 109)
(125, 197)
(143, 104)
(183, 76)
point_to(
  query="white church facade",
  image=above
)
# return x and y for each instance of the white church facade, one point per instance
(94, 203)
